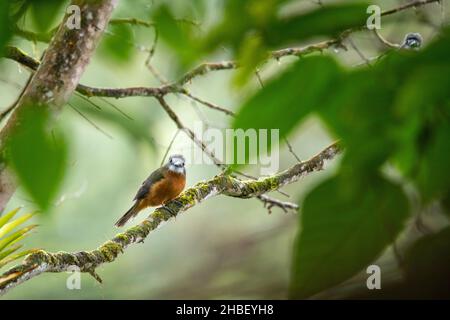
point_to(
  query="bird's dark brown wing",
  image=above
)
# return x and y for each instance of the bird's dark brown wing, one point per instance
(147, 184)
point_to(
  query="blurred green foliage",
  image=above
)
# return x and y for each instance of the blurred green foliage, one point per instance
(377, 119)
(113, 46)
(175, 35)
(395, 111)
(300, 90)
(343, 229)
(38, 155)
(392, 114)
(5, 24)
(44, 13)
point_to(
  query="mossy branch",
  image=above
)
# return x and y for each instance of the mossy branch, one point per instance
(87, 261)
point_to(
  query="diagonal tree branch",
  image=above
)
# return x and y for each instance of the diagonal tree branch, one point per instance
(87, 261)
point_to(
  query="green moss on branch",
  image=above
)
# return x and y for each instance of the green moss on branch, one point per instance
(87, 261)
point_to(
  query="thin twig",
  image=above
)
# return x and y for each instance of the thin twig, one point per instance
(359, 52)
(90, 121)
(258, 77)
(116, 108)
(384, 40)
(88, 101)
(291, 150)
(208, 104)
(414, 4)
(188, 131)
(169, 147)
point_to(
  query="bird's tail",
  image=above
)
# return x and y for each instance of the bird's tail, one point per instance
(128, 215)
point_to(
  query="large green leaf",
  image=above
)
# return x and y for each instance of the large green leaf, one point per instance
(433, 175)
(44, 13)
(426, 87)
(118, 43)
(423, 104)
(262, 18)
(329, 20)
(285, 101)
(289, 98)
(446, 203)
(343, 230)
(37, 155)
(241, 18)
(5, 24)
(175, 35)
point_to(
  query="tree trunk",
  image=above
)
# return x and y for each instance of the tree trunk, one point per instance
(63, 64)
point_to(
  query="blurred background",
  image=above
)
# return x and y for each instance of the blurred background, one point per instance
(222, 248)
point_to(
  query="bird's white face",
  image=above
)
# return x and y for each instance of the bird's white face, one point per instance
(176, 164)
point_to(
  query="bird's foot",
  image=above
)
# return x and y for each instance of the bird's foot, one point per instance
(171, 211)
(178, 202)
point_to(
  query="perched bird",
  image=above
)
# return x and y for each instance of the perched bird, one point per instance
(163, 185)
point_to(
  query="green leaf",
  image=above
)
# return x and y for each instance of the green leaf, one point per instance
(446, 203)
(285, 101)
(175, 35)
(15, 237)
(8, 216)
(251, 54)
(358, 110)
(5, 24)
(44, 13)
(344, 227)
(8, 227)
(241, 18)
(16, 256)
(425, 87)
(12, 249)
(37, 156)
(329, 20)
(117, 43)
(433, 176)
(423, 105)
